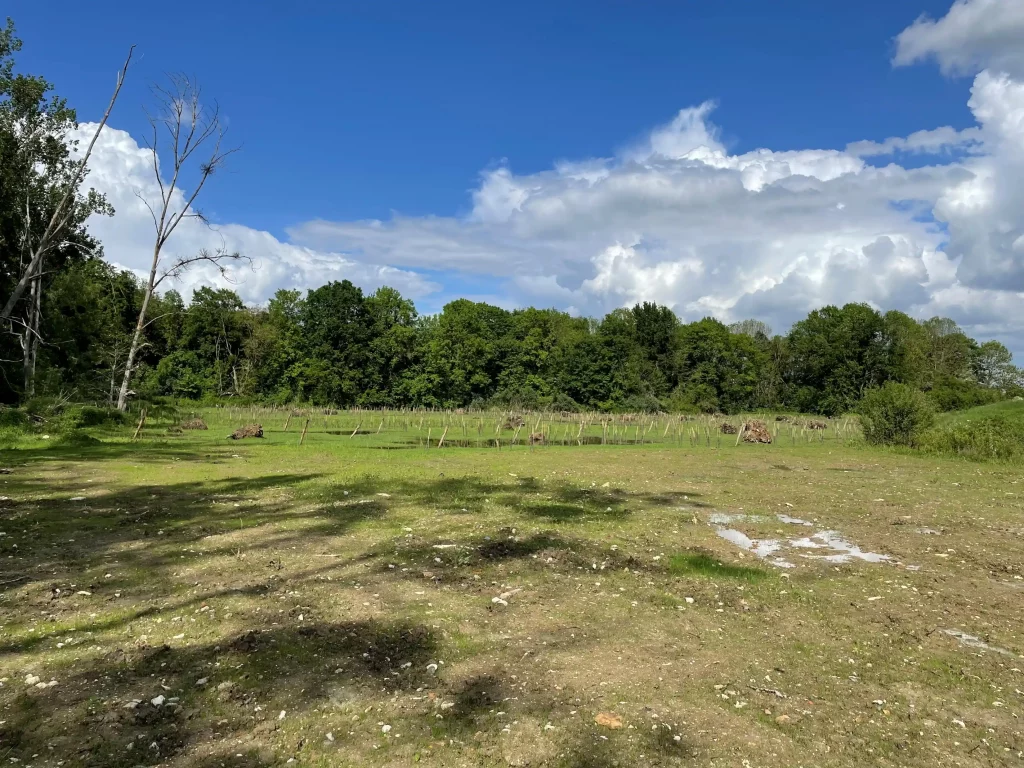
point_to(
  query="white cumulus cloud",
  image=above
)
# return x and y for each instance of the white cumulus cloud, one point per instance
(973, 35)
(677, 218)
(122, 170)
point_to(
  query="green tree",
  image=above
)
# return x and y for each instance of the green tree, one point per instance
(993, 367)
(42, 210)
(837, 354)
(335, 331)
(391, 351)
(718, 370)
(462, 360)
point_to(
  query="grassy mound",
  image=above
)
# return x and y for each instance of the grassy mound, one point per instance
(993, 431)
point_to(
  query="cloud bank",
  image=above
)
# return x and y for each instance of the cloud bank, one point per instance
(676, 218)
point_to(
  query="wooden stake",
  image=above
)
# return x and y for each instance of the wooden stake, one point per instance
(354, 431)
(302, 437)
(138, 429)
(287, 422)
(441, 441)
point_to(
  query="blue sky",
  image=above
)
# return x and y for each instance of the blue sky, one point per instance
(731, 159)
(351, 110)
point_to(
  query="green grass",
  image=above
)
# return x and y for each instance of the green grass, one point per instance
(548, 585)
(703, 564)
(1010, 410)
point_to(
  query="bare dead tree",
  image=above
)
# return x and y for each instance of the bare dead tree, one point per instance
(194, 134)
(64, 211)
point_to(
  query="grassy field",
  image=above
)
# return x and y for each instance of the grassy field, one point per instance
(1011, 410)
(366, 600)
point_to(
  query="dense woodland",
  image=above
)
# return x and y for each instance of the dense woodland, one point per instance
(70, 331)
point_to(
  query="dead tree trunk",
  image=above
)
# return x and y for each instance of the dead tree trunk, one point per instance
(30, 334)
(192, 127)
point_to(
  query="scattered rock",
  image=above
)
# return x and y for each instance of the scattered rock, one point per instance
(31, 679)
(608, 720)
(158, 701)
(783, 720)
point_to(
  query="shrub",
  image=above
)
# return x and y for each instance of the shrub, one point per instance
(93, 416)
(13, 418)
(79, 416)
(76, 439)
(895, 414)
(951, 394)
(992, 437)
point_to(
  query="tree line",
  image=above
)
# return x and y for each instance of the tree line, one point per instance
(336, 346)
(77, 327)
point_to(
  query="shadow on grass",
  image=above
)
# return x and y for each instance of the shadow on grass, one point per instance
(232, 691)
(458, 560)
(554, 501)
(117, 448)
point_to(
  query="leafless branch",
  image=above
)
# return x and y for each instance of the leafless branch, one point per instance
(65, 208)
(218, 258)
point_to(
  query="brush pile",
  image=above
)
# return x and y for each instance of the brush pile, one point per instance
(728, 429)
(194, 424)
(756, 432)
(253, 430)
(817, 425)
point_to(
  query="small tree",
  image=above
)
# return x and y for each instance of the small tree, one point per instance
(195, 135)
(895, 414)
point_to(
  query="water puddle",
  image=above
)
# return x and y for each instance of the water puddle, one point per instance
(763, 548)
(976, 642)
(842, 550)
(831, 546)
(723, 518)
(793, 520)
